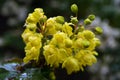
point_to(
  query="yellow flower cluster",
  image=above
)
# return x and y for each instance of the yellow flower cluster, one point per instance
(31, 38)
(33, 45)
(73, 54)
(71, 46)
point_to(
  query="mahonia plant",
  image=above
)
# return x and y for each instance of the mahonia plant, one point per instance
(67, 44)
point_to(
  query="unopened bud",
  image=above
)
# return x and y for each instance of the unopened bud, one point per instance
(60, 19)
(81, 28)
(91, 17)
(86, 43)
(97, 41)
(98, 30)
(74, 8)
(87, 21)
(43, 19)
(74, 20)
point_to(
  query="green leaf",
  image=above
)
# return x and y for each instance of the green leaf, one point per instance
(3, 73)
(9, 71)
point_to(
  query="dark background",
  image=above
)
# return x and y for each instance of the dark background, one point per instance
(14, 12)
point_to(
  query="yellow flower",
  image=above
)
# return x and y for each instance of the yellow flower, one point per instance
(71, 64)
(33, 45)
(67, 29)
(92, 45)
(35, 39)
(58, 39)
(26, 34)
(50, 26)
(32, 54)
(88, 34)
(79, 43)
(63, 54)
(51, 55)
(58, 26)
(68, 43)
(31, 26)
(35, 16)
(86, 57)
(31, 19)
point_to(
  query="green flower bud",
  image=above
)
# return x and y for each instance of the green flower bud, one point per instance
(86, 43)
(60, 19)
(81, 28)
(97, 41)
(74, 8)
(91, 17)
(87, 21)
(74, 20)
(43, 19)
(98, 30)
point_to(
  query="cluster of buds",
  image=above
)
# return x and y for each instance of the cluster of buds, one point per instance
(59, 42)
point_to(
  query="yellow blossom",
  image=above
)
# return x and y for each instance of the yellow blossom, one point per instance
(58, 39)
(88, 34)
(50, 28)
(79, 43)
(32, 54)
(85, 57)
(35, 16)
(26, 34)
(67, 29)
(71, 64)
(68, 43)
(31, 26)
(51, 55)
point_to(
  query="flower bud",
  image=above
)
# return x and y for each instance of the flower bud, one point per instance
(98, 30)
(87, 21)
(97, 41)
(81, 28)
(74, 8)
(91, 17)
(86, 43)
(74, 20)
(43, 19)
(60, 19)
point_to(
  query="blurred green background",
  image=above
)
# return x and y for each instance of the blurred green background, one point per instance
(14, 12)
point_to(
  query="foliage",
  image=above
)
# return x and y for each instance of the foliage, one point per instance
(10, 71)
